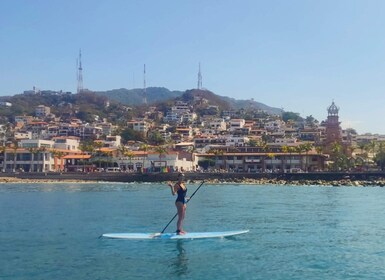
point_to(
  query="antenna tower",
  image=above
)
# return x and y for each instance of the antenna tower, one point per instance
(199, 77)
(144, 86)
(80, 73)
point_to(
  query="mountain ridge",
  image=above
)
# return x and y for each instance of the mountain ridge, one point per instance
(135, 97)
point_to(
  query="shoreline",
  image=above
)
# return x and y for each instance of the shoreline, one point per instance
(245, 181)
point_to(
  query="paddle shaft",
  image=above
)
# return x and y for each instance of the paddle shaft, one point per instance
(186, 203)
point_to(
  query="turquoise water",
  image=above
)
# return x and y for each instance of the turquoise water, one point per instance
(51, 231)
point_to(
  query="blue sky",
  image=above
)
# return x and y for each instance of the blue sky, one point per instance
(296, 55)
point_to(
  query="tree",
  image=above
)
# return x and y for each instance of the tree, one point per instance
(307, 148)
(338, 157)
(290, 116)
(144, 148)
(216, 152)
(155, 138)
(291, 150)
(130, 134)
(380, 156)
(271, 157)
(285, 150)
(14, 149)
(122, 150)
(3, 148)
(59, 155)
(253, 143)
(34, 151)
(129, 154)
(161, 150)
(299, 149)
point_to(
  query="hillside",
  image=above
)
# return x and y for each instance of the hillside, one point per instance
(251, 104)
(85, 106)
(156, 95)
(90, 106)
(134, 97)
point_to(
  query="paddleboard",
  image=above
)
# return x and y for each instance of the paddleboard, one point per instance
(188, 235)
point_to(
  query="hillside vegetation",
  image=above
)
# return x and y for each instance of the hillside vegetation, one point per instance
(118, 105)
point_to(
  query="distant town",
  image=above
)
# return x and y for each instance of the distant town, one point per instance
(189, 134)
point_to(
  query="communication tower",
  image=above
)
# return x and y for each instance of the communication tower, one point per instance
(199, 77)
(79, 73)
(144, 86)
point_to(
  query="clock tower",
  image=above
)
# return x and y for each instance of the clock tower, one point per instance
(333, 130)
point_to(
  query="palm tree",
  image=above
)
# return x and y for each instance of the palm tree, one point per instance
(307, 148)
(372, 147)
(380, 156)
(98, 145)
(3, 148)
(285, 150)
(33, 151)
(41, 151)
(265, 149)
(337, 156)
(84, 147)
(233, 150)
(144, 147)
(14, 149)
(216, 152)
(129, 154)
(161, 150)
(299, 149)
(291, 150)
(122, 150)
(271, 156)
(58, 155)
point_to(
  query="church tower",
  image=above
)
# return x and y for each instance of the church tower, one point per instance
(333, 130)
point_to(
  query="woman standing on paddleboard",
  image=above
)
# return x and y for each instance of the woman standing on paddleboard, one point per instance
(180, 189)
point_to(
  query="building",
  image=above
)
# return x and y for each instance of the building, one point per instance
(42, 111)
(261, 162)
(333, 132)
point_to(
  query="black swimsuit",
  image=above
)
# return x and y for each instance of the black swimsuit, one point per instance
(181, 195)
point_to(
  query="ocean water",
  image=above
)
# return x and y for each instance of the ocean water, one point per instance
(51, 231)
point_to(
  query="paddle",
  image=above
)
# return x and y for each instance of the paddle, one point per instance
(186, 202)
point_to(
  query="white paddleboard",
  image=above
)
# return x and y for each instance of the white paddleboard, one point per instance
(188, 235)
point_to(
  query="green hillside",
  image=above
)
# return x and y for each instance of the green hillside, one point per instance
(134, 97)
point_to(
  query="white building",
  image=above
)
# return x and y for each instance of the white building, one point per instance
(113, 141)
(5, 104)
(66, 143)
(217, 124)
(139, 125)
(32, 155)
(23, 135)
(236, 141)
(236, 124)
(42, 111)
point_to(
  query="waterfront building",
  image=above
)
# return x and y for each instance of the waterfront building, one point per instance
(31, 155)
(264, 162)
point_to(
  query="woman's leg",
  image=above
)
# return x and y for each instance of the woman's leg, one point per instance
(181, 208)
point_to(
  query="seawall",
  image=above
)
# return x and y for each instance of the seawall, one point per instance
(304, 178)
